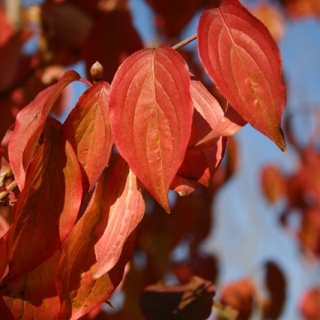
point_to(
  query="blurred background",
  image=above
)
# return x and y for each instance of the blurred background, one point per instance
(256, 231)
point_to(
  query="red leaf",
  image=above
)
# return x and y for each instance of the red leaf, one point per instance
(122, 209)
(29, 125)
(79, 292)
(151, 113)
(5, 27)
(111, 40)
(88, 130)
(222, 123)
(47, 207)
(200, 164)
(32, 296)
(10, 57)
(309, 304)
(243, 60)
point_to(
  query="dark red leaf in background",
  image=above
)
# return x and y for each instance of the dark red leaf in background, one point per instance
(88, 130)
(151, 113)
(276, 284)
(200, 164)
(10, 57)
(243, 60)
(111, 40)
(78, 262)
(47, 207)
(29, 125)
(32, 296)
(5, 27)
(189, 301)
(173, 16)
(65, 25)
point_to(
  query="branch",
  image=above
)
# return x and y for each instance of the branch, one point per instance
(184, 42)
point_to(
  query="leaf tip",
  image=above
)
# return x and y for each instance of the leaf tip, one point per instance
(280, 140)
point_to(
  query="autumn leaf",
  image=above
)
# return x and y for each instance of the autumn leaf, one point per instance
(88, 130)
(205, 151)
(32, 296)
(47, 207)
(29, 124)
(151, 113)
(122, 209)
(78, 290)
(222, 123)
(240, 56)
(10, 57)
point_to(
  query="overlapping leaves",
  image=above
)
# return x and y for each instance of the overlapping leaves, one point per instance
(170, 132)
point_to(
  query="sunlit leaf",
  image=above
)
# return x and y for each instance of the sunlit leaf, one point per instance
(122, 209)
(151, 113)
(243, 60)
(47, 207)
(222, 123)
(79, 291)
(88, 130)
(29, 125)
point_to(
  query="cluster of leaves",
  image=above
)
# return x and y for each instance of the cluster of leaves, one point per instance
(62, 257)
(299, 192)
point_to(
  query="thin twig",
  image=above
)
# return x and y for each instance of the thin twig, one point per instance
(184, 42)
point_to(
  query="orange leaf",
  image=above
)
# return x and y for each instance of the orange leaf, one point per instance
(88, 130)
(243, 60)
(151, 113)
(29, 125)
(79, 291)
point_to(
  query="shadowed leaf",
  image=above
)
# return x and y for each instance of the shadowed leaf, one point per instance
(32, 296)
(189, 301)
(47, 207)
